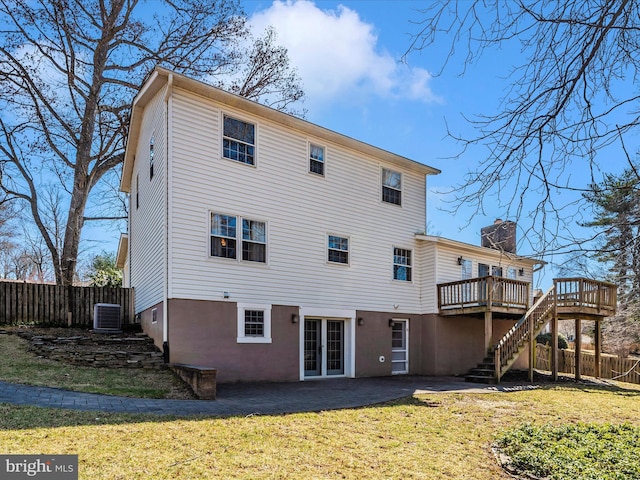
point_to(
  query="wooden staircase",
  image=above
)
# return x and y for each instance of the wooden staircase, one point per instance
(502, 356)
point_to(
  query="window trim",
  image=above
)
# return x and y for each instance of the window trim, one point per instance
(310, 160)
(382, 187)
(255, 139)
(239, 238)
(152, 154)
(242, 239)
(211, 235)
(242, 308)
(410, 265)
(348, 239)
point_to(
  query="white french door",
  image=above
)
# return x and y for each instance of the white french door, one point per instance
(323, 353)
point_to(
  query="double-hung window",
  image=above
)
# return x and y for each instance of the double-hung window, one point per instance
(338, 249)
(223, 236)
(316, 159)
(402, 264)
(254, 241)
(238, 141)
(391, 186)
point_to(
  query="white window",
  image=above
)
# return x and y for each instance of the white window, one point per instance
(391, 186)
(151, 156)
(511, 273)
(154, 315)
(254, 323)
(254, 241)
(223, 236)
(316, 159)
(238, 142)
(402, 264)
(338, 249)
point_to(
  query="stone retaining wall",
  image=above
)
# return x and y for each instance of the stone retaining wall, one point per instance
(107, 352)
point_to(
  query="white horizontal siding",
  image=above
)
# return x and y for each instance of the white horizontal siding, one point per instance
(147, 223)
(300, 210)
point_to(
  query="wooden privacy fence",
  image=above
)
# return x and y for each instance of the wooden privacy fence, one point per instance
(611, 366)
(53, 305)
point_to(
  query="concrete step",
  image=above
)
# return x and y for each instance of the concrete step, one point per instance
(480, 379)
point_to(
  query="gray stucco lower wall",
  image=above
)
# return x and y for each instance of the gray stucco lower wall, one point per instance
(151, 327)
(205, 333)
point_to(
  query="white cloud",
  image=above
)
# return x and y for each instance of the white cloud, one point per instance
(337, 54)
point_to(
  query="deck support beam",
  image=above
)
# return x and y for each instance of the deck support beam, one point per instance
(554, 334)
(488, 330)
(578, 349)
(598, 346)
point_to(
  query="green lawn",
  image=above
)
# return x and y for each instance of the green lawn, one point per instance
(19, 365)
(436, 436)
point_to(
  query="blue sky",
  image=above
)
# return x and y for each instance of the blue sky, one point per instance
(348, 55)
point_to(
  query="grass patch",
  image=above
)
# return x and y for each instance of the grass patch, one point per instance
(435, 436)
(19, 365)
(570, 451)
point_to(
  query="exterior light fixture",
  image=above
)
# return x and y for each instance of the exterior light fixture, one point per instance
(391, 322)
(460, 259)
(295, 318)
(360, 321)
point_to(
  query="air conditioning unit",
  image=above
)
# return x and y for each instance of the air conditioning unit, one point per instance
(106, 317)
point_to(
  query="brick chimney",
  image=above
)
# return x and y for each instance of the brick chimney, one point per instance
(500, 236)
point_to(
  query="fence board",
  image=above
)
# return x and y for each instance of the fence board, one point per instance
(611, 366)
(48, 305)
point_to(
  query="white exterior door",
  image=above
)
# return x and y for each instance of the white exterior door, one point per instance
(400, 347)
(324, 347)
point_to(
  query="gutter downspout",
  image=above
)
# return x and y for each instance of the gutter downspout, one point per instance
(168, 183)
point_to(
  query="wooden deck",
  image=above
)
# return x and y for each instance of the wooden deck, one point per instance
(484, 294)
(575, 299)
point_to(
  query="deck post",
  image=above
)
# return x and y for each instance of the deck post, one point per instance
(554, 334)
(488, 330)
(532, 348)
(578, 349)
(598, 342)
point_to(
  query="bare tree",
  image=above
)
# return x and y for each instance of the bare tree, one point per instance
(68, 72)
(568, 98)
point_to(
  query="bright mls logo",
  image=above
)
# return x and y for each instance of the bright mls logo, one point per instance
(50, 467)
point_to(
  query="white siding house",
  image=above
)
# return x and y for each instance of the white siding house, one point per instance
(274, 249)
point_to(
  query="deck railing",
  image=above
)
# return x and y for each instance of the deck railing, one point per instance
(483, 291)
(585, 293)
(512, 341)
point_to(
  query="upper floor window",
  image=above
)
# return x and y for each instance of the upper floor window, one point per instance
(254, 241)
(151, 156)
(391, 186)
(137, 190)
(483, 270)
(316, 159)
(223, 236)
(402, 264)
(338, 251)
(511, 273)
(238, 141)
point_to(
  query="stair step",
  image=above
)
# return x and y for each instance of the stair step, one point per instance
(480, 379)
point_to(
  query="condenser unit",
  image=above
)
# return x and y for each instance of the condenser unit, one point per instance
(106, 317)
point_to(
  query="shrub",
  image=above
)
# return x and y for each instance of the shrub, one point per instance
(545, 339)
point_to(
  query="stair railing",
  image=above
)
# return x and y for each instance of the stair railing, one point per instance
(535, 318)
